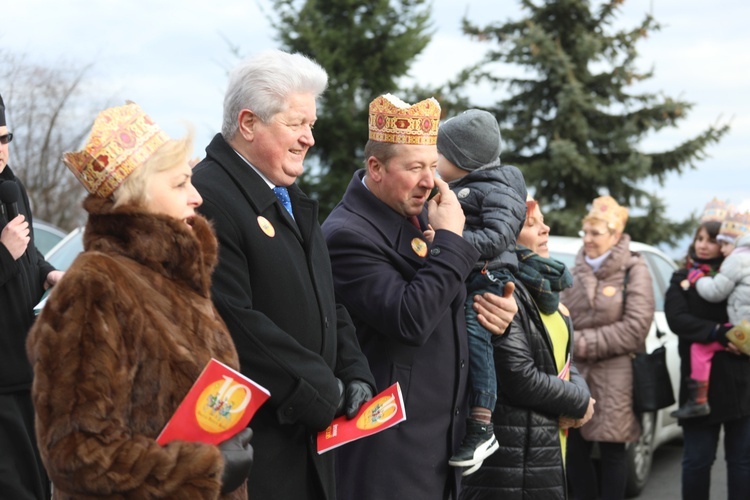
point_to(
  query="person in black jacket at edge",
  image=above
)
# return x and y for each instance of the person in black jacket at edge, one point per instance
(540, 392)
(24, 275)
(694, 319)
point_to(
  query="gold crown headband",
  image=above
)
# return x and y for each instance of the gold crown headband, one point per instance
(715, 211)
(606, 209)
(121, 140)
(394, 121)
(735, 226)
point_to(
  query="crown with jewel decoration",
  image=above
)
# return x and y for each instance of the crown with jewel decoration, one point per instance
(715, 210)
(394, 121)
(734, 226)
(605, 208)
(121, 140)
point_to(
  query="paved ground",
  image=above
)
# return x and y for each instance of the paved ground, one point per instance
(664, 482)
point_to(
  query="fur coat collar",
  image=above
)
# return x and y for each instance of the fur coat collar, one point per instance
(183, 255)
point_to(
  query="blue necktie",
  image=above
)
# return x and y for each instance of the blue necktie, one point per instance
(283, 195)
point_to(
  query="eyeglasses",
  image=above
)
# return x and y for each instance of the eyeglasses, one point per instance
(593, 234)
(5, 139)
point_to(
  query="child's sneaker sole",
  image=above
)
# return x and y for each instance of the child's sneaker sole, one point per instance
(483, 451)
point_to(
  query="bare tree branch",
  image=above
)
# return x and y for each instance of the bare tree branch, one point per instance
(50, 112)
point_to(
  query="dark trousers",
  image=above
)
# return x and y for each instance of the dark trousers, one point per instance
(22, 475)
(584, 482)
(699, 454)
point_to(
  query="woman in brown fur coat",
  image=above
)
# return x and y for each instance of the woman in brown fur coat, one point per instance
(130, 327)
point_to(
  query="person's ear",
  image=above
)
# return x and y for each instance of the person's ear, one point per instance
(375, 169)
(248, 122)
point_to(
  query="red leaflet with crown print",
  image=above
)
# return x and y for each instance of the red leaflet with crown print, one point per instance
(219, 405)
(378, 414)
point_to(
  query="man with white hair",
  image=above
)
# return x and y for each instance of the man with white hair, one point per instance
(273, 284)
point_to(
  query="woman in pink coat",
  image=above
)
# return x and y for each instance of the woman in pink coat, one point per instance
(612, 306)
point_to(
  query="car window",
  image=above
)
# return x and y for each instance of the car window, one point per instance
(661, 273)
(65, 253)
(45, 237)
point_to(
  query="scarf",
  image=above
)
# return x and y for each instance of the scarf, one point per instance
(544, 278)
(708, 267)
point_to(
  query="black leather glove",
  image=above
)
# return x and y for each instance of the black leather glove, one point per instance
(342, 398)
(238, 458)
(357, 392)
(719, 333)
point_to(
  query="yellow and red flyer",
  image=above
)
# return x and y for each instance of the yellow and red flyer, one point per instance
(378, 414)
(218, 405)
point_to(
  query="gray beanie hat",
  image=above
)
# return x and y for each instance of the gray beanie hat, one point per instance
(470, 140)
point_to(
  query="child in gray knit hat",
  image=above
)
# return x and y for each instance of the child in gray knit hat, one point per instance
(493, 198)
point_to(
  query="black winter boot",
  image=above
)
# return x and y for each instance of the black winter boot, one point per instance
(697, 403)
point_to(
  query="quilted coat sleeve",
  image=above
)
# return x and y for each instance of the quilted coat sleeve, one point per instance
(83, 363)
(628, 333)
(717, 288)
(502, 212)
(524, 384)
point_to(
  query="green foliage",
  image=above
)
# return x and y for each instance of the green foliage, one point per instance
(572, 125)
(365, 46)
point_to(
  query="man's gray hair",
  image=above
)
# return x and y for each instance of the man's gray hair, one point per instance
(263, 83)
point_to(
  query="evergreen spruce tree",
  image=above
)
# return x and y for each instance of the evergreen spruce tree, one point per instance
(571, 124)
(365, 46)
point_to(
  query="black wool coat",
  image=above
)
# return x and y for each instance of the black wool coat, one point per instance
(693, 319)
(21, 287)
(409, 312)
(274, 290)
(531, 399)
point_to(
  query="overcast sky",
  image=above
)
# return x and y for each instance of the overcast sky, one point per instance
(172, 57)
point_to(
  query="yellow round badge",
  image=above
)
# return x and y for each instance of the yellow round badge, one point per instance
(266, 226)
(609, 291)
(378, 412)
(221, 405)
(419, 247)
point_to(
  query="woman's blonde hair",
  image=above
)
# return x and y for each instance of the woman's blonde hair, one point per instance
(171, 154)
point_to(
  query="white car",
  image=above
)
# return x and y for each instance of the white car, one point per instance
(658, 427)
(61, 255)
(46, 235)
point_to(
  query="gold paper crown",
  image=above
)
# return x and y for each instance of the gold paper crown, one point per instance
(715, 211)
(735, 226)
(605, 208)
(394, 121)
(122, 139)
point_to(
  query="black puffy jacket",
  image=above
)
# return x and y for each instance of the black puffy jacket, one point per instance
(531, 399)
(493, 199)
